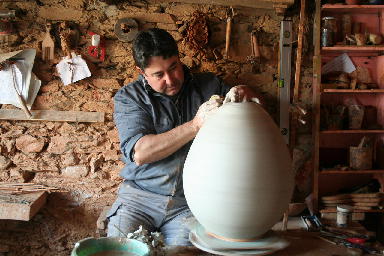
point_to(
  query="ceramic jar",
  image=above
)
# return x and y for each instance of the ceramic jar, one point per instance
(238, 179)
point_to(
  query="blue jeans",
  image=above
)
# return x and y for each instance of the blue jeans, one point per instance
(134, 207)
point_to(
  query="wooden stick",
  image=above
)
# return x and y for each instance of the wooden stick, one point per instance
(297, 73)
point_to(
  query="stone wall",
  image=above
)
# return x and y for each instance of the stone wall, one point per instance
(84, 158)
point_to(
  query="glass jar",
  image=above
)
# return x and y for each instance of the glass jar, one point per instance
(328, 31)
(344, 215)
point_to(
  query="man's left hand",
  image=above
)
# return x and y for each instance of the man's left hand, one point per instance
(242, 93)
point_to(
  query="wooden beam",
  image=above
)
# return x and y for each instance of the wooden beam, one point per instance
(52, 115)
(21, 207)
(316, 104)
(259, 4)
(296, 88)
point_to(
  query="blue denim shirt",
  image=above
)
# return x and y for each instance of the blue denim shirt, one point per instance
(139, 111)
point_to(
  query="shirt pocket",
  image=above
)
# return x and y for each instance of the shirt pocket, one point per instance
(163, 125)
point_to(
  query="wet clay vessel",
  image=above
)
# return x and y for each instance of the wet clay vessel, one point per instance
(237, 176)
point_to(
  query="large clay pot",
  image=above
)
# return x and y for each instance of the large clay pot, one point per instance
(237, 177)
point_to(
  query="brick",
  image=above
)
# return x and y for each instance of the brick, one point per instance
(52, 86)
(181, 9)
(98, 107)
(167, 26)
(111, 155)
(96, 162)
(59, 144)
(59, 13)
(4, 162)
(29, 144)
(42, 102)
(69, 159)
(113, 135)
(106, 83)
(75, 171)
(149, 17)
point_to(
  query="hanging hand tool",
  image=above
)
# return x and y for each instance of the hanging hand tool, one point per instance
(230, 15)
(97, 47)
(48, 45)
(126, 29)
(255, 58)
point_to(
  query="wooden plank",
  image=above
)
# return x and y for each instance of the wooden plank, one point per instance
(351, 131)
(21, 207)
(260, 4)
(354, 48)
(352, 172)
(316, 104)
(53, 115)
(353, 91)
(366, 9)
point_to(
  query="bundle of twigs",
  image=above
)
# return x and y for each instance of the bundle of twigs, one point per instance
(22, 188)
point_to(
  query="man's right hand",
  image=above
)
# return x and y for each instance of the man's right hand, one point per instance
(206, 110)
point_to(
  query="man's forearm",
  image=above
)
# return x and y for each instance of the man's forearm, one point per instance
(154, 147)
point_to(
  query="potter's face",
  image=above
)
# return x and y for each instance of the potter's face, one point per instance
(165, 76)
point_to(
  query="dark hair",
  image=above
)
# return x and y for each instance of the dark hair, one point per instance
(153, 42)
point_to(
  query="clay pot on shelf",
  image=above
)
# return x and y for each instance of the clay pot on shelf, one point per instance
(352, 2)
(238, 179)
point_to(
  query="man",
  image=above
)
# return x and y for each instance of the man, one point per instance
(157, 117)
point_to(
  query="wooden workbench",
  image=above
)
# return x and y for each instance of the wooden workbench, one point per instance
(302, 243)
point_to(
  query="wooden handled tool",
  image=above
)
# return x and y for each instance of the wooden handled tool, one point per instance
(48, 45)
(255, 45)
(228, 32)
(228, 36)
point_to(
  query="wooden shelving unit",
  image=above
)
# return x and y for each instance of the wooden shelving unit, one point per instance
(331, 147)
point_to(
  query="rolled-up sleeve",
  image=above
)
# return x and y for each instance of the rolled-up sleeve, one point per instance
(132, 123)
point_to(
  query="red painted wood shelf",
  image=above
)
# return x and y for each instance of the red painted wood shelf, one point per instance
(367, 9)
(352, 91)
(350, 131)
(348, 172)
(350, 48)
(355, 210)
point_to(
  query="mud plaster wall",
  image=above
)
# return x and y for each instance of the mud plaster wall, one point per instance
(84, 158)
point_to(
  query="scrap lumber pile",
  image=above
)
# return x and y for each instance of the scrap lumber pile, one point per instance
(22, 188)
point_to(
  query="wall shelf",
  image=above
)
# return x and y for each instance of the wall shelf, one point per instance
(366, 9)
(352, 91)
(349, 172)
(355, 210)
(351, 131)
(354, 48)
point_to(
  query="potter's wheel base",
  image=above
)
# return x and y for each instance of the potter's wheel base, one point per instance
(268, 244)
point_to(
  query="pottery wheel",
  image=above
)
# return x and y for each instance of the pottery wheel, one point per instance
(267, 244)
